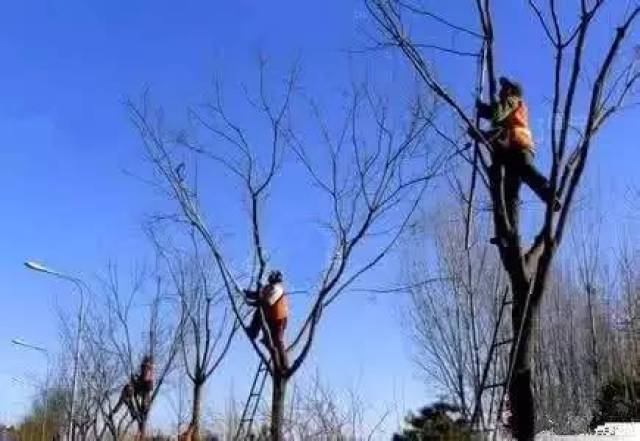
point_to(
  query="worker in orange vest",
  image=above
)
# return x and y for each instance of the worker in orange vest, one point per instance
(514, 148)
(139, 389)
(272, 301)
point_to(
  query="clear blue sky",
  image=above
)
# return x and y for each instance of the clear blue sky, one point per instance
(66, 141)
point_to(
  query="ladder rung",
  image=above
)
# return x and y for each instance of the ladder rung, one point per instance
(508, 302)
(494, 385)
(503, 342)
(251, 405)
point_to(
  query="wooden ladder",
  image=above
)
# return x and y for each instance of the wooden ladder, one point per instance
(497, 344)
(513, 343)
(251, 405)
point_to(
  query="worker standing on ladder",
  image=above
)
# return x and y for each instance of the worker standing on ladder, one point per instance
(273, 303)
(513, 145)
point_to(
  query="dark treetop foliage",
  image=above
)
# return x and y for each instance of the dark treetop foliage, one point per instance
(437, 422)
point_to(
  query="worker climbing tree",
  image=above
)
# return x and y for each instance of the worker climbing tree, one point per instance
(503, 156)
(271, 304)
(126, 399)
(136, 394)
(366, 196)
(513, 148)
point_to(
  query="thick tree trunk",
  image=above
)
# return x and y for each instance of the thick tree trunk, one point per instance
(523, 409)
(521, 396)
(520, 391)
(277, 406)
(142, 428)
(196, 410)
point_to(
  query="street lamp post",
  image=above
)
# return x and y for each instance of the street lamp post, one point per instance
(81, 286)
(44, 352)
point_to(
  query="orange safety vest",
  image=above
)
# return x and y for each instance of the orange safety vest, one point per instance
(280, 309)
(517, 127)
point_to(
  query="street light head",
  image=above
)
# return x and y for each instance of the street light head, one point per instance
(24, 344)
(35, 266)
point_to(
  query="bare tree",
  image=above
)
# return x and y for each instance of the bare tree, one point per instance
(583, 337)
(571, 141)
(320, 412)
(629, 302)
(102, 374)
(159, 344)
(315, 411)
(453, 315)
(589, 253)
(369, 188)
(208, 324)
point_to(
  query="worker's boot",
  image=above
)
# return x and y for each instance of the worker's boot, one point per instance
(254, 327)
(497, 241)
(251, 297)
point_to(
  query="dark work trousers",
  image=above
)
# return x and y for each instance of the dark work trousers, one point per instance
(276, 329)
(255, 325)
(518, 167)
